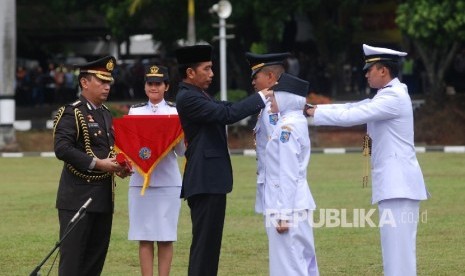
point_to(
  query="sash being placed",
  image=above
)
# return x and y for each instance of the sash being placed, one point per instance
(146, 139)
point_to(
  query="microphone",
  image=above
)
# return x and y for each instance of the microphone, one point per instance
(81, 210)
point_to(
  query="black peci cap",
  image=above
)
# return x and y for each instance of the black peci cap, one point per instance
(101, 68)
(156, 73)
(258, 61)
(194, 54)
(291, 84)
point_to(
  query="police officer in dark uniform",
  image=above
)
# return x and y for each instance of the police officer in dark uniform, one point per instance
(83, 140)
(208, 172)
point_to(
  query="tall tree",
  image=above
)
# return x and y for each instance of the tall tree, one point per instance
(436, 29)
(7, 74)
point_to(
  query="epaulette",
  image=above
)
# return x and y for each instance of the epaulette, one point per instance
(139, 105)
(76, 103)
(172, 104)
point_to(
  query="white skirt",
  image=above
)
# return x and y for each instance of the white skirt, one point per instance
(154, 216)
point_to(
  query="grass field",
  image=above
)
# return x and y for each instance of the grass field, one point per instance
(29, 223)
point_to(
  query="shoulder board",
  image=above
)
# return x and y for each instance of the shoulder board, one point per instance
(139, 105)
(76, 103)
(172, 104)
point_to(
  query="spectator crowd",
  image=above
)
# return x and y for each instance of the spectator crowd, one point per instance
(57, 84)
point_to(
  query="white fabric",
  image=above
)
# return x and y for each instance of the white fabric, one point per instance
(167, 171)
(262, 132)
(389, 118)
(292, 252)
(289, 102)
(286, 186)
(370, 50)
(287, 192)
(398, 235)
(154, 216)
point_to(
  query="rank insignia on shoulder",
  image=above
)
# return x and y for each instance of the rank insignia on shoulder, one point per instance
(172, 104)
(76, 103)
(139, 105)
(285, 135)
(273, 118)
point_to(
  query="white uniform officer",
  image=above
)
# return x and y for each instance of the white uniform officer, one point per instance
(266, 70)
(154, 216)
(288, 201)
(397, 180)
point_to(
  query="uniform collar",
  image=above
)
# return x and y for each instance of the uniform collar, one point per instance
(156, 107)
(394, 81)
(89, 104)
(190, 86)
(158, 104)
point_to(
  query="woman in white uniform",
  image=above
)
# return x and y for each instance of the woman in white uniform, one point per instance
(288, 201)
(154, 215)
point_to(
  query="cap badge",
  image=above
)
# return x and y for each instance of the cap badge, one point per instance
(154, 69)
(110, 65)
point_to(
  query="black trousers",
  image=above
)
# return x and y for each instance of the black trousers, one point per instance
(83, 251)
(207, 215)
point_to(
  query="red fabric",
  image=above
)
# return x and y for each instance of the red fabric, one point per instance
(146, 139)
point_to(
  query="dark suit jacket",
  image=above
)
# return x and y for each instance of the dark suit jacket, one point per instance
(78, 137)
(208, 168)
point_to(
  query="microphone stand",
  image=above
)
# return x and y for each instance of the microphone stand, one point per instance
(35, 272)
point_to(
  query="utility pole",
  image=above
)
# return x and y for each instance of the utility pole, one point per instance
(191, 22)
(223, 9)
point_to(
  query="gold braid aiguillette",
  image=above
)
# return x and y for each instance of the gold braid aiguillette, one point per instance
(367, 153)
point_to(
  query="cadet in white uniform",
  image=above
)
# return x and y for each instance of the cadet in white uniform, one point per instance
(266, 70)
(288, 202)
(397, 180)
(154, 216)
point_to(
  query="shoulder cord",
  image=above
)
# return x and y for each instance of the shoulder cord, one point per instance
(367, 153)
(81, 124)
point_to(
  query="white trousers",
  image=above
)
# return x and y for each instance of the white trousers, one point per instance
(292, 253)
(398, 228)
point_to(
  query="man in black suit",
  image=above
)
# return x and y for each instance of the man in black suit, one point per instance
(83, 140)
(208, 172)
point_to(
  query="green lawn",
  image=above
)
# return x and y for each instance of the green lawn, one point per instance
(29, 223)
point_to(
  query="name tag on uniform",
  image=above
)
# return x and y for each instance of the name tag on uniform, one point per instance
(93, 125)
